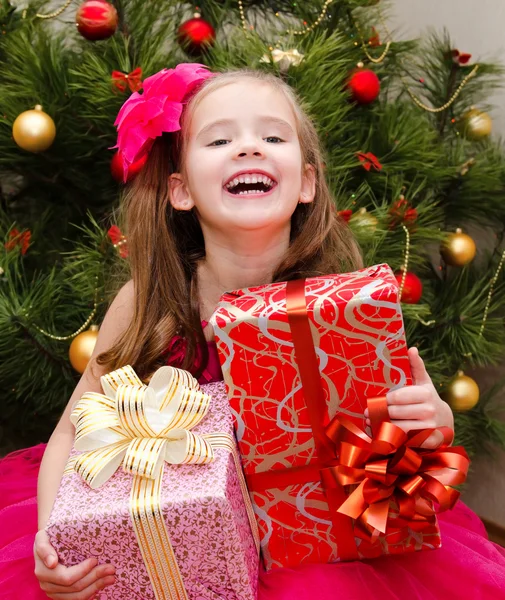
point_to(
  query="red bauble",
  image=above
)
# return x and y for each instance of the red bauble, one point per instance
(96, 19)
(196, 35)
(413, 288)
(364, 85)
(116, 168)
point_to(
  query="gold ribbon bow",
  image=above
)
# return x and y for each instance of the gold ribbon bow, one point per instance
(142, 427)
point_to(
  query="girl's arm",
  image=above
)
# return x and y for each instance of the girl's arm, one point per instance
(54, 578)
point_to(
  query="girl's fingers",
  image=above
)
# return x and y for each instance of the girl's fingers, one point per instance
(410, 394)
(411, 425)
(85, 594)
(44, 550)
(408, 412)
(97, 574)
(419, 372)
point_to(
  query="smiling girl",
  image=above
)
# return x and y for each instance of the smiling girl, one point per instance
(232, 195)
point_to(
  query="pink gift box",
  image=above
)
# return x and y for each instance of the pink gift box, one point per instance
(204, 511)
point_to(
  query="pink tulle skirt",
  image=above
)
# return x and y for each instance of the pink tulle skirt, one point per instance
(467, 567)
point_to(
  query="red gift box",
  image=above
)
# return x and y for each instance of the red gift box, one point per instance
(295, 356)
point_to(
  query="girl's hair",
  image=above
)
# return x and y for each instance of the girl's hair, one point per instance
(165, 245)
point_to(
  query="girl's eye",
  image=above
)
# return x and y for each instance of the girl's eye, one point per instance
(218, 142)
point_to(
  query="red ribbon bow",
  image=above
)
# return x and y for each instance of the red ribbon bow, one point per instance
(391, 465)
(17, 238)
(402, 212)
(132, 80)
(119, 240)
(369, 160)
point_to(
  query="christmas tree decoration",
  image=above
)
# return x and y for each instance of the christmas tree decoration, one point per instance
(462, 393)
(34, 130)
(364, 86)
(122, 81)
(196, 35)
(96, 20)
(364, 222)
(369, 161)
(284, 59)
(458, 249)
(18, 238)
(345, 215)
(118, 240)
(82, 347)
(475, 125)
(412, 287)
(462, 59)
(402, 212)
(117, 171)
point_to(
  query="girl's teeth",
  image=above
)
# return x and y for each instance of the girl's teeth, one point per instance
(250, 192)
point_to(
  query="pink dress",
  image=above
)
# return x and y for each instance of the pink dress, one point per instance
(467, 567)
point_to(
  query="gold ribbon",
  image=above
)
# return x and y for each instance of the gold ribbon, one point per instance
(141, 427)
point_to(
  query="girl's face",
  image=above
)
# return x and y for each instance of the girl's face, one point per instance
(242, 138)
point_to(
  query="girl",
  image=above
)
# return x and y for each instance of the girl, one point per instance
(233, 197)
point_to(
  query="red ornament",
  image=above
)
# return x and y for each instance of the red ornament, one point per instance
(345, 215)
(369, 160)
(402, 212)
(132, 80)
(96, 19)
(118, 240)
(364, 85)
(196, 35)
(116, 168)
(412, 289)
(18, 238)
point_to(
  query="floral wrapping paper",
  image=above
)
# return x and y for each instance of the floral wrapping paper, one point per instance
(203, 509)
(358, 333)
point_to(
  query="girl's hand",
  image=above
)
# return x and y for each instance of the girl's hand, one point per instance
(79, 582)
(419, 406)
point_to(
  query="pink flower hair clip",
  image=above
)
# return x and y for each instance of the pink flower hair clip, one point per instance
(145, 116)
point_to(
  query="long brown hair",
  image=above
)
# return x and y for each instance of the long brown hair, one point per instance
(166, 245)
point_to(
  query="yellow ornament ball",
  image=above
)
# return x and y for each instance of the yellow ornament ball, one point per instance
(462, 393)
(458, 249)
(476, 125)
(363, 222)
(34, 130)
(82, 347)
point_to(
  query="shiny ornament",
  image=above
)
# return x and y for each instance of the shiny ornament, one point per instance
(116, 168)
(462, 393)
(34, 130)
(458, 249)
(364, 85)
(475, 125)
(196, 35)
(96, 20)
(82, 347)
(284, 58)
(363, 222)
(412, 289)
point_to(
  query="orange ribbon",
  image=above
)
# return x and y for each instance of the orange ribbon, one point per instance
(388, 466)
(132, 80)
(392, 465)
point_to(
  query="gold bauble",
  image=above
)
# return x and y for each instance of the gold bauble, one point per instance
(363, 222)
(34, 130)
(462, 393)
(458, 249)
(476, 125)
(82, 348)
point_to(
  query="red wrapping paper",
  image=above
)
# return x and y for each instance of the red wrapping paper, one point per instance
(357, 330)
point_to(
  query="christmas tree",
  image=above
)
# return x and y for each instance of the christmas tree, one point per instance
(409, 158)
